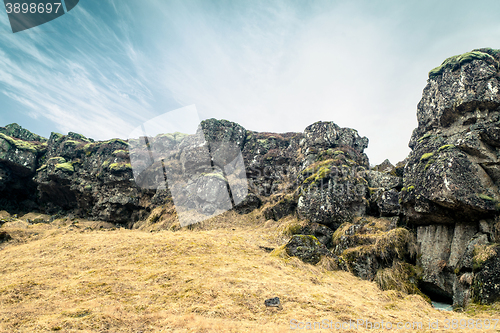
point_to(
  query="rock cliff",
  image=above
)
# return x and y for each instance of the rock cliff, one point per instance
(452, 175)
(430, 222)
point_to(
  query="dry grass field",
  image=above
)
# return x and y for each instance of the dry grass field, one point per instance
(84, 276)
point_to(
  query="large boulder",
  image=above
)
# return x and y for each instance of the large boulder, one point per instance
(272, 162)
(92, 179)
(332, 176)
(307, 248)
(369, 244)
(453, 169)
(18, 163)
(452, 176)
(486, 284)
(384, 186)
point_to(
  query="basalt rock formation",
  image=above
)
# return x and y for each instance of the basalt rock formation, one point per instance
(429, 222)
(452, 175)
(74, 174)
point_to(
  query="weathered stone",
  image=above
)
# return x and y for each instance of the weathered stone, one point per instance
(282, 208)
(467, 261)
(16, 131)
(462, 235)
(452, 174)
(307, 248)
(453, 166)
(435, 243)
(384, 167)
(486, 285)
(384, 202)
(384, 180)
(461, 290)
(320, 231)
(249, 204)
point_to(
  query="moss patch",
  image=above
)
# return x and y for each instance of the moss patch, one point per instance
(120, 167)
(429, 163)
(426, 156)
(71, 143)
(402, 277)
(120, 141)
(24, 145)
(482, 253)
(457, 61)
(66, 167)
(57, 160)
(485, 197)
(445, 147)
(120, 151)
(424, 137)
(43, 167)
(318, 171)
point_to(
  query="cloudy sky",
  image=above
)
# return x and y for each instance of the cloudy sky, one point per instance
(277, 66)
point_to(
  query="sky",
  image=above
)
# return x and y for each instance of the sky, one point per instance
(108, 66)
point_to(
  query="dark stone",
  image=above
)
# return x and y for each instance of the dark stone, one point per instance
(320, 231)
(272, 302)
(4, 237)
(486, 285)
(281, 209)
(249, 204)
(307, 248)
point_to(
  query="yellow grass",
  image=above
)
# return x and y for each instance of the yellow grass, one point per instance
(71, 276)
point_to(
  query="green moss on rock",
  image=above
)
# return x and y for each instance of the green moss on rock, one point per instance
(120, 167)
(445, 147)
(485, 197)
(120, 151)
(57, 160)
(112, 141)
(43, 167)
(66, 167)
(71, 143)
(457, 61)
(429, 163)
(481, 254)
(426, 156)
(424, 137)
(24, 145)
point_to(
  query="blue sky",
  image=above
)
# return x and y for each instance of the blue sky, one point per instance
(110, 65)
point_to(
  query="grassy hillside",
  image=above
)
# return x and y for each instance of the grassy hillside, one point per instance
(83, 276)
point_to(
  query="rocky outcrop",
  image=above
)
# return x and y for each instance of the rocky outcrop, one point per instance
(91, 179)
(486, 283)
(72, 173)
(443, 199)
(452, 174)
(384, 182)
(20, 151)
(307, 248)
(368, 245)
(332, 177)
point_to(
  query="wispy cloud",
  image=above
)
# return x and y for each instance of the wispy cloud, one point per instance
(84, 81)
(270, 66)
